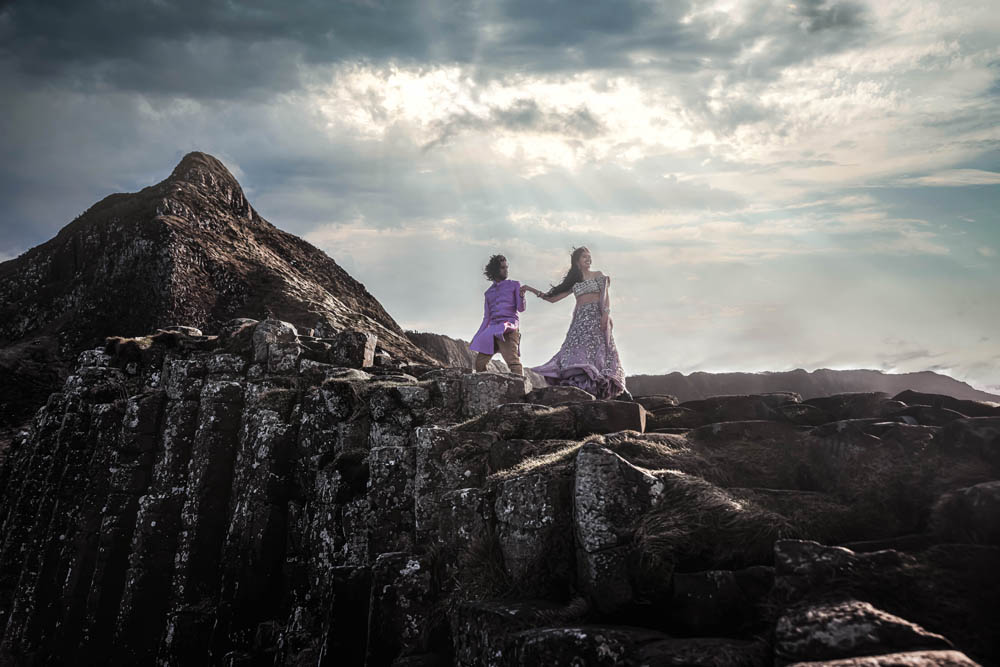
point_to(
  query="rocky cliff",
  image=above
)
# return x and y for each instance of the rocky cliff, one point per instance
(822, 382)
(189, 250)
(268, 497)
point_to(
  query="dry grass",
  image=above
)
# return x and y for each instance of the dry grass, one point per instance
(698, 522)
(658, 451)
(480, 574)
(561, 456)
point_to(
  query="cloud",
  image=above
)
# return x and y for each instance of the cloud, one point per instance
(953, 178)
(819, 16)
(524, 115)
(218, 50)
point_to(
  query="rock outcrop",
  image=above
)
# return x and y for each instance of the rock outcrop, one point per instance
(188, 250)
(268, 497)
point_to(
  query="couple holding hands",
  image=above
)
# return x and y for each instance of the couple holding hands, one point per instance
(588, 358)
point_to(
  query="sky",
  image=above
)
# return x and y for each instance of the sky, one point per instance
(770, 185)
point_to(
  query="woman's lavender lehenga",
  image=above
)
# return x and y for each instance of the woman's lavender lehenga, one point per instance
(588, 358)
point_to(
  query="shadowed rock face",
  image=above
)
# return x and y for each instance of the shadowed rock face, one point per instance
(190, 249)
(267, 497)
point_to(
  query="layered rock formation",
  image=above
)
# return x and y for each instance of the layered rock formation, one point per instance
(189, 250)
(264, 497)
(822, 382)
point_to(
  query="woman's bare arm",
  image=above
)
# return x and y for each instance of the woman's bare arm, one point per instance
(556, 297)
(541, 295)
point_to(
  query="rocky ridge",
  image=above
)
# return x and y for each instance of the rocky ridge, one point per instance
(821, 382)
(188, 250)
(268, 497)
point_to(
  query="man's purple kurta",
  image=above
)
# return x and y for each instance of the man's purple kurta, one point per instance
(502, 304)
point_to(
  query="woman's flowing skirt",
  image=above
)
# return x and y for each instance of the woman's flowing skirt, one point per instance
(587, 359)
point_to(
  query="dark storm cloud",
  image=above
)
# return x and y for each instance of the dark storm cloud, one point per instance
(214, 49)
(221, 49)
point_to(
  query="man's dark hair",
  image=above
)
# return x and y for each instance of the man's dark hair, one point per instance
(492, 270)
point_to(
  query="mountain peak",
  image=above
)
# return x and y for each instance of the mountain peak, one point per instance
(199, 168)
(188, 249)
(200, 182)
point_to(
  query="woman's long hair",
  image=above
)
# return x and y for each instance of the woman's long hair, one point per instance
(573, 276)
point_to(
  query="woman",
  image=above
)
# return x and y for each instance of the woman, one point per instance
(588, 358)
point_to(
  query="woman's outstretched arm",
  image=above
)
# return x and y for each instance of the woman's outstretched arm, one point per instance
(541, 295)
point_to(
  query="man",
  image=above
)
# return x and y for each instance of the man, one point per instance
(500, 330)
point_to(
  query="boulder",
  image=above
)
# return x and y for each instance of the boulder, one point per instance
(608, 417)
(847, 427)
(656, 402)
(284, 357)
(464, 518)
(970, 515)
(481, 392)
(743, 407)
(891, 407)
(352, 349)
(675, 417)
(609, 494)
(917, 586)
(557, 395)
(845, 629)
(270, 332)
(927, 415)
(978, 436)
(966, 407)
(445, 461)
(855, 405)
(907, 659)
(390, 494)
(801, 565)
(803, 414)
(745, 431)
(445, 386)
(912, 439)
(534, 528)
(182, 378)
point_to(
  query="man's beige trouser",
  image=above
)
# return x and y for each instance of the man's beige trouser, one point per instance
(509, 348)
